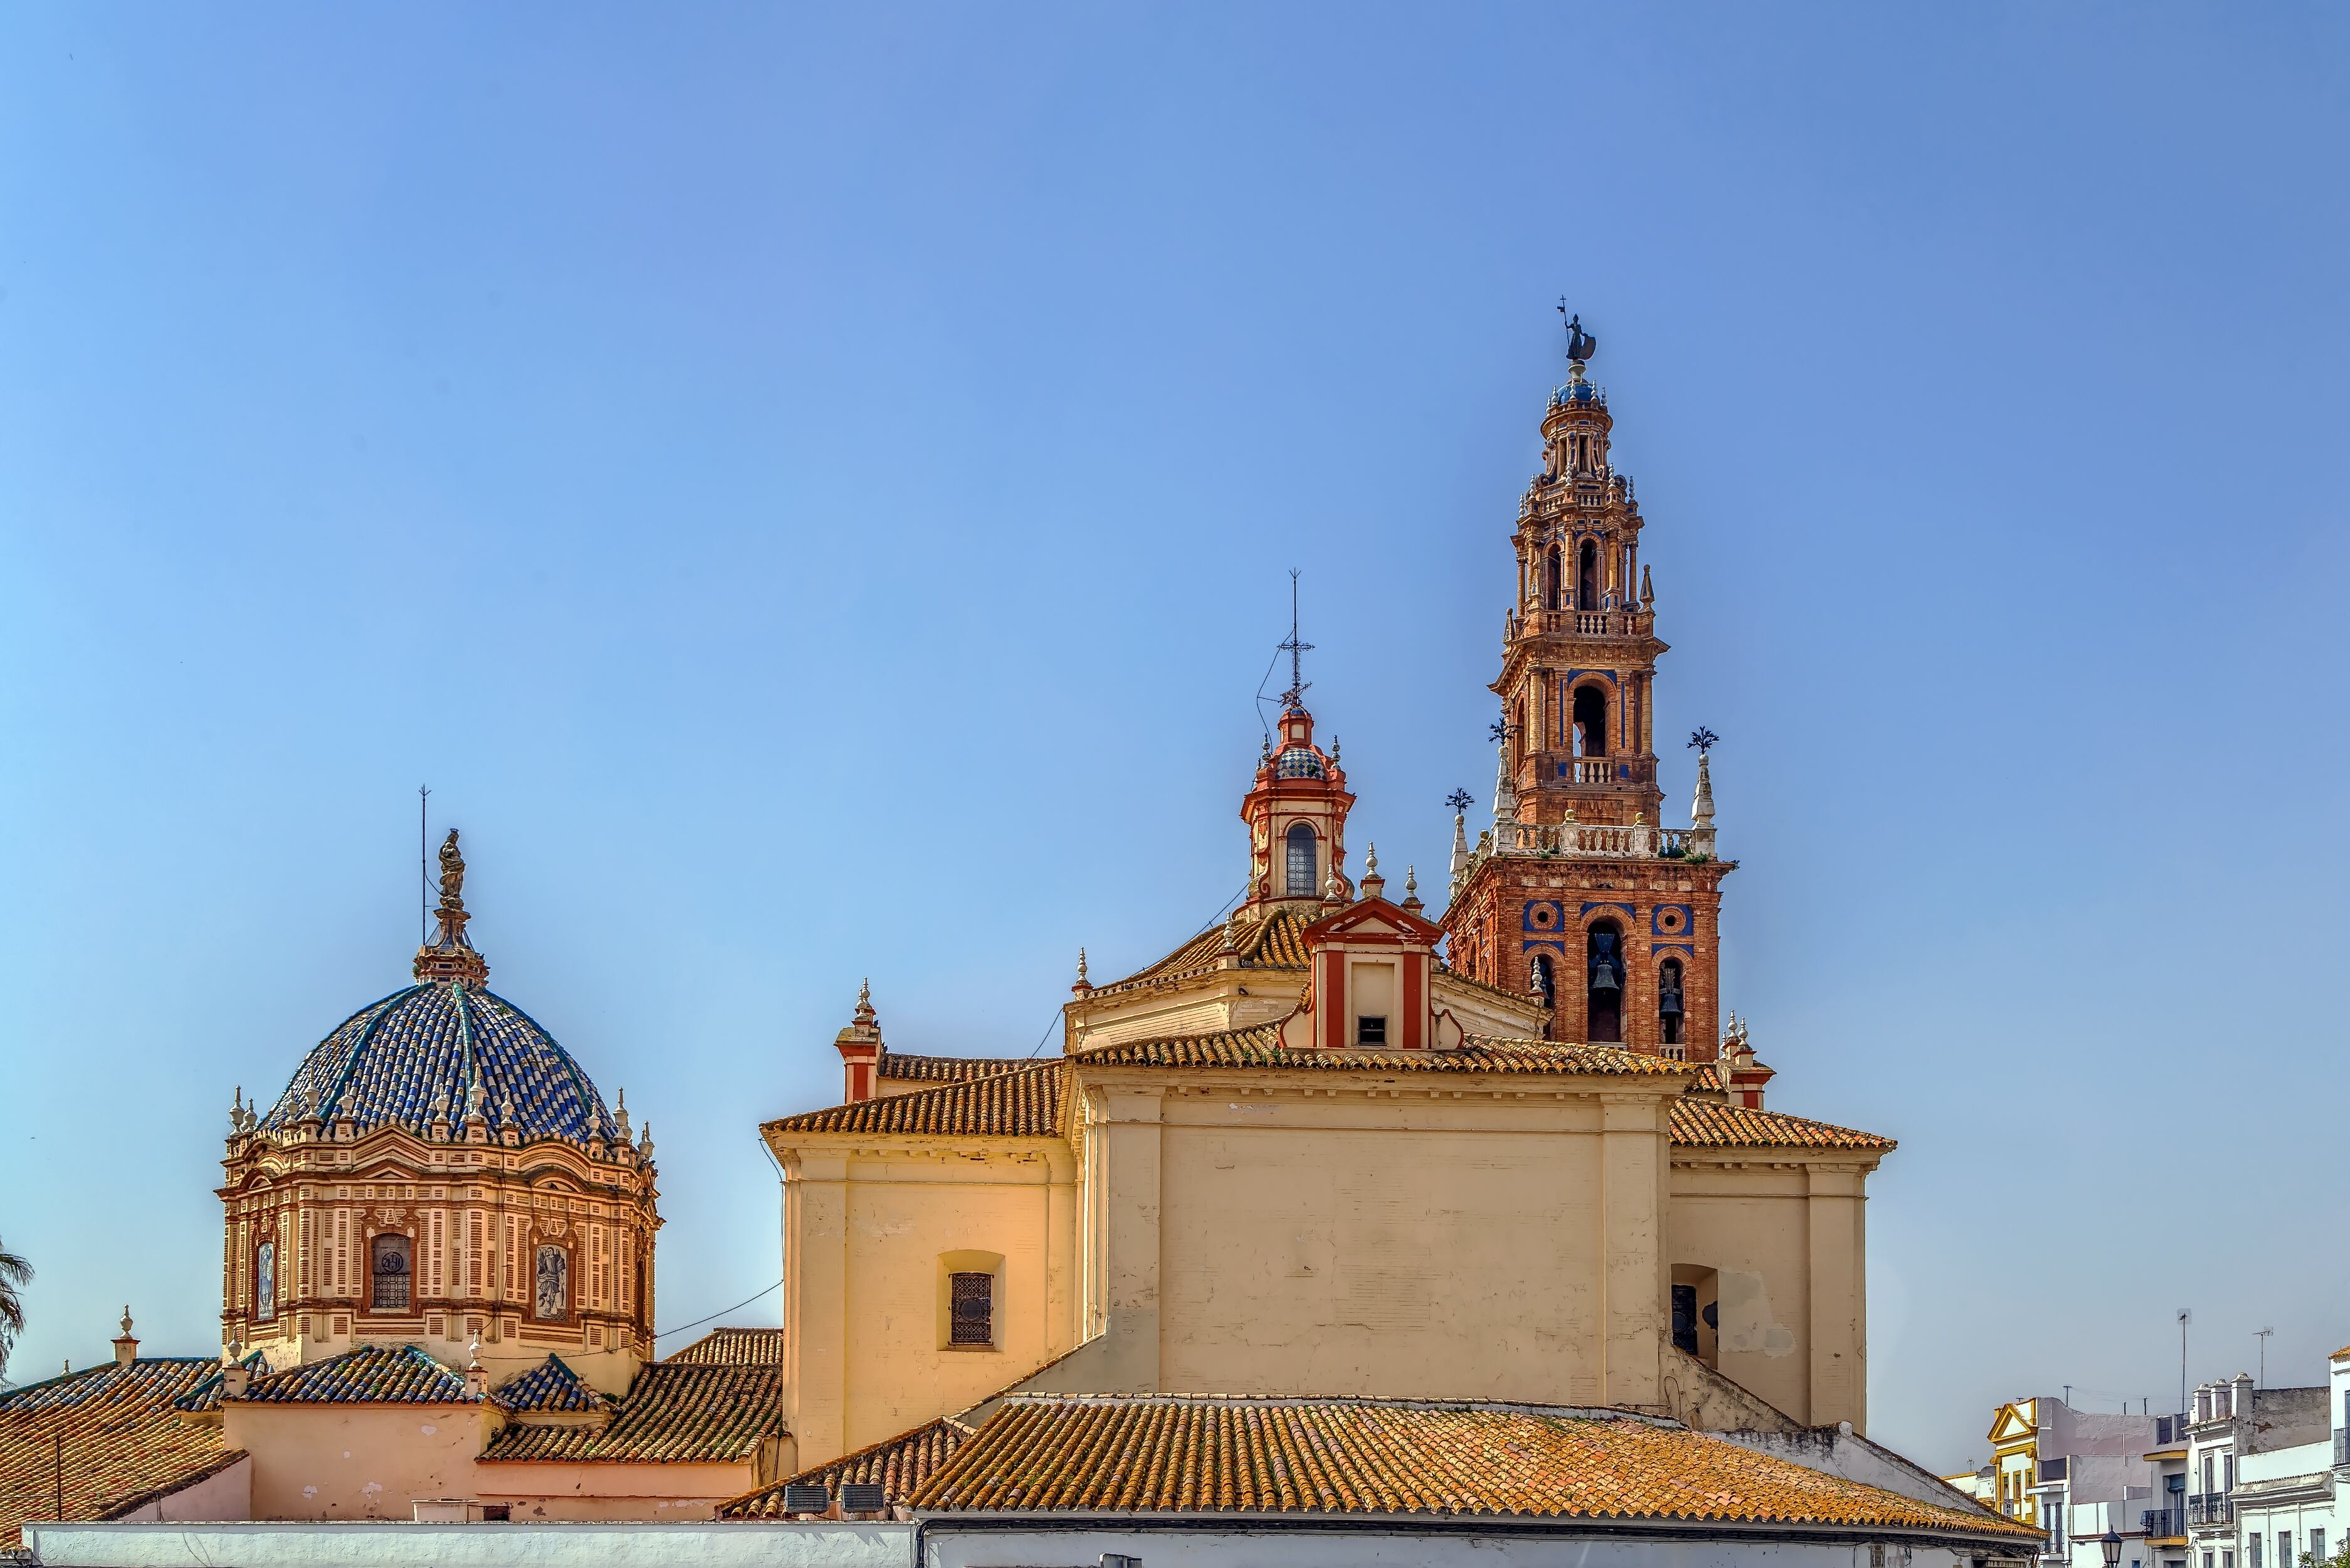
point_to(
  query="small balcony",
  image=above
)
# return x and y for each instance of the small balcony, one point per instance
(2163, 1524)
(2211, 1508)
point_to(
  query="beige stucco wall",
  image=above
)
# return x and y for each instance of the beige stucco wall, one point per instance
(356, 1461)
(1380, 1236)
(612, 1491)
(1787, 1242)
(869, 1235)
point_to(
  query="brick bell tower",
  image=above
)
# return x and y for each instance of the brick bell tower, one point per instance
(1578, 895)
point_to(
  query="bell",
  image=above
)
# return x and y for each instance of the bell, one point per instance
(1602, 977)
(1669, 1003)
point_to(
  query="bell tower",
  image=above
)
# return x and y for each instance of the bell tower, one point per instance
(1579, 896)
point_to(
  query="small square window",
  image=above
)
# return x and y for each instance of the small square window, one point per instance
(1371, 1030)
(973, 1303)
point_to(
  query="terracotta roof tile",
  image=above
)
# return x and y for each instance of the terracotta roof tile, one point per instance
(1707, 1124)
(1023, 1102)
(125, 1441)
(946, 1069)
(672, 1415)
(1275, 942)
(1122, 1454)
(550, 1386)
(1261, 1047)
(732, 1347)
(898, 1465)
(372, 1374)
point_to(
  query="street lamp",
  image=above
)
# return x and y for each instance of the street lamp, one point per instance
(2112, 1545)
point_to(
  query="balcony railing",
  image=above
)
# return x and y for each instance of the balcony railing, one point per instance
(2162, 1522)
(1577, 623)
(1588, 840)
(2211, 1508)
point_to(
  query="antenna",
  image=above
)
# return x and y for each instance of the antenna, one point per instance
(2186, 1317)
(2262, 1335)
(1296, 652)
(423, 871)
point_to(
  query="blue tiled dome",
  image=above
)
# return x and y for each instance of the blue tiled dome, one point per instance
(390, 1061)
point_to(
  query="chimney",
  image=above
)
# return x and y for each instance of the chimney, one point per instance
(126, 1346)
(235, 1375)
(859, 1046)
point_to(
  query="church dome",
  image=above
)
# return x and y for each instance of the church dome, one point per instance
(416, 1054)
(1298, 762)
(443, 1049)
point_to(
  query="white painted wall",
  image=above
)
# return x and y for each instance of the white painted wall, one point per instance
(225, 1495)
(379, 1544)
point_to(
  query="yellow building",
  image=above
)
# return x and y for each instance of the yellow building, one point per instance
(1303, 1155)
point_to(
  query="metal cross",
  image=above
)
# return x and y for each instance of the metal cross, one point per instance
(1703, 739)
(1460, 800)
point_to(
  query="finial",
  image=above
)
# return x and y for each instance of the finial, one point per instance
(1373, 884)
(1081, 966)
(506, 1110)
(645, 1143)
(865, 1015)
(126, 1320)
(1647, 593)
(1702, 804)
(1411, 889)
(450, 955)
(1334, 748)
(473, 1355)
(620, 1116)
(1460, 800)
(1334, 892)
(1293, 699)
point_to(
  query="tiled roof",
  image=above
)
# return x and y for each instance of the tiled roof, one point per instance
(1260, 1046)
(390, 1059)
(1115, 1454)
(124, 1440)
(1708, 1124)
(673, 1414)
(946, 1069)
(372, 1374)
(732, 1347)
(1023, 1102)
(1275, 943)
(2339, 1354)
(206, 1394)
(1708, 1078)
(550, 1386)
(898, 1465)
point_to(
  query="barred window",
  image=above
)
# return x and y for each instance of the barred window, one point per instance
(1299, 881)
(973, 1302)
(391, 1270)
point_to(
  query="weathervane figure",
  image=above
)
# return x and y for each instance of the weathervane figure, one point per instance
(1704, 740)
(1460, 800)
(1580, 345)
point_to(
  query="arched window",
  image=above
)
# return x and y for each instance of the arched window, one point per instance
(1300, 879)
(1668, 1002)
(1551, 584)
(390, 1274)
(1590, 721)
(1586, 584)
(264, 1280)
(553, 1301)
(1603, 1020)
(1544, 980)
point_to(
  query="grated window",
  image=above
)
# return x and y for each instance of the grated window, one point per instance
(973, 1302)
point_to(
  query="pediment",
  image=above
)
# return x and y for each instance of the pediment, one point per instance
(1373, 917)
(2011, 1425)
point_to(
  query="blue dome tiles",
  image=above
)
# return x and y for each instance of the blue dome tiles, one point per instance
(389, 1062)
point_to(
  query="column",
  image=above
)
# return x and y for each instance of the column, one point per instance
(1634, 1274)
(816, 1305)
(1131, 1237)
(1838, 1308)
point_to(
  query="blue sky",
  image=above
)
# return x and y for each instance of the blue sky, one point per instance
(812, 491)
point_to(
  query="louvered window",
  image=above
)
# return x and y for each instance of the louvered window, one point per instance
(973, 1297)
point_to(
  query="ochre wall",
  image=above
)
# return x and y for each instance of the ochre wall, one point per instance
(1787, 1244)
(864, 1239)
(355, 1461)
